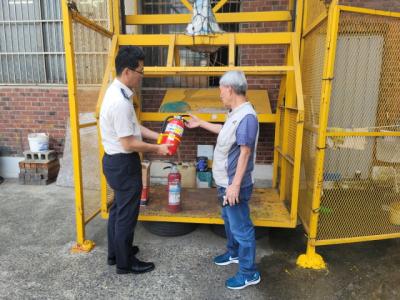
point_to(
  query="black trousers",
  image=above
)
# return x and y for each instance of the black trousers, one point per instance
(124, 175)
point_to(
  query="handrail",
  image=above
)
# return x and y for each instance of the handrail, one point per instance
(76, 16)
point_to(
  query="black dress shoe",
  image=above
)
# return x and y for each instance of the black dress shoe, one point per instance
(138, 267)
(111, 261)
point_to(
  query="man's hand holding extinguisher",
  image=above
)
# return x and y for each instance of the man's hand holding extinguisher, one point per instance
(163, 149)
(172, 132)
(132, 144)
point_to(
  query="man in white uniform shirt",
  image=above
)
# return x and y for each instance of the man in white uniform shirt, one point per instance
(121, 136)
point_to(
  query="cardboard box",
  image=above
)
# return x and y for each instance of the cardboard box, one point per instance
(144, 198)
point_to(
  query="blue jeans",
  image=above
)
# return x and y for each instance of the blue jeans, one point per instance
(240, 231)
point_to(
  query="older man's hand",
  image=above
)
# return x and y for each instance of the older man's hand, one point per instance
(193, 122)
(232, 195)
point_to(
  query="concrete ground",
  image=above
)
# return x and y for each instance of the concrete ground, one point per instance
(37, 230)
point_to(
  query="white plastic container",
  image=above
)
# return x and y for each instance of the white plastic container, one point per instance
(38, 142)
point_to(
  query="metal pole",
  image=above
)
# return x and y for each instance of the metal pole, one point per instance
(82, 245)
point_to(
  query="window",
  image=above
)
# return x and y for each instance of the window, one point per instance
(32, 47)
(31, 43)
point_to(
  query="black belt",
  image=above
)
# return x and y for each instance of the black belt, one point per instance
(122, 154)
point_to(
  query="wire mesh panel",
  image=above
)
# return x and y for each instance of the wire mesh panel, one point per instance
(312, 68)
(91, 53)
(361, 197)
(279, 161)
(288, 185)
(367, 71)
(314, 9)
(91, 48)
(307, 177)
(287, 145)
(361, 191)
(95, 10)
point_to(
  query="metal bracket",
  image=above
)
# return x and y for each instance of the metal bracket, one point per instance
(72, 5)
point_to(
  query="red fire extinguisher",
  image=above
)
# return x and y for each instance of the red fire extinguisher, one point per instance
(172, 132)
(174, 189)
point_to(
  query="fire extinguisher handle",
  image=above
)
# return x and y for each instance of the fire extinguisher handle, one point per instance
(183, 116)
(165, 123)
(170, 167)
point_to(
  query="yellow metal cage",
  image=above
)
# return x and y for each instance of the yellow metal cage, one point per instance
(350, 162)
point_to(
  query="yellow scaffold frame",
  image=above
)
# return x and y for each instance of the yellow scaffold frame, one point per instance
(290, 100)
(290, 97)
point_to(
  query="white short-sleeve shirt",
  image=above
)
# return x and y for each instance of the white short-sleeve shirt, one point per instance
(117, 118)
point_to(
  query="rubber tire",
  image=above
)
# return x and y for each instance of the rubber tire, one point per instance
(220, 231)
(169, 228)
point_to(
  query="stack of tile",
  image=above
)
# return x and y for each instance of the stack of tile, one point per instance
(39, 168)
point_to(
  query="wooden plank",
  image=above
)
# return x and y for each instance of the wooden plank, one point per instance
(202, 206)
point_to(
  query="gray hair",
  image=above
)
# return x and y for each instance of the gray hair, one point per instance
(236, 80)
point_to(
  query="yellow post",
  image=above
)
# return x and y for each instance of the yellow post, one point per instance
(303, 27)
(187, 4)
(311, 259)
(282, 91)
(219, 5)
(177, 58)
(106, 79)
(231, 51)
(299, 129)
(171, 52)
(289, 90)
(135, 11)
(277, 133)
(110, 15)
(291, 6)
(116, 17)
(299, 22)
(290, 102)
(305, 14)
(82, 245)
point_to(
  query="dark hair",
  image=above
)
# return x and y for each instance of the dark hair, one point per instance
(128, 57)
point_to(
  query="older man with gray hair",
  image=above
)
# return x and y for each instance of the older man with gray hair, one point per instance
(233, 165)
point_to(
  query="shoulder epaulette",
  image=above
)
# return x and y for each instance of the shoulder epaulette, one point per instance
(124, 94)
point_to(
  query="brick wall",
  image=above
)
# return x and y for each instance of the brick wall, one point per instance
(30, 109)
(264, 55)
(151, 102)
(25, 110)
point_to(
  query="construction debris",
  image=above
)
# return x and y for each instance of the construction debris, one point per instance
(39, 168)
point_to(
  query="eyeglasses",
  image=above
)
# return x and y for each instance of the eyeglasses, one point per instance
(140, 72)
